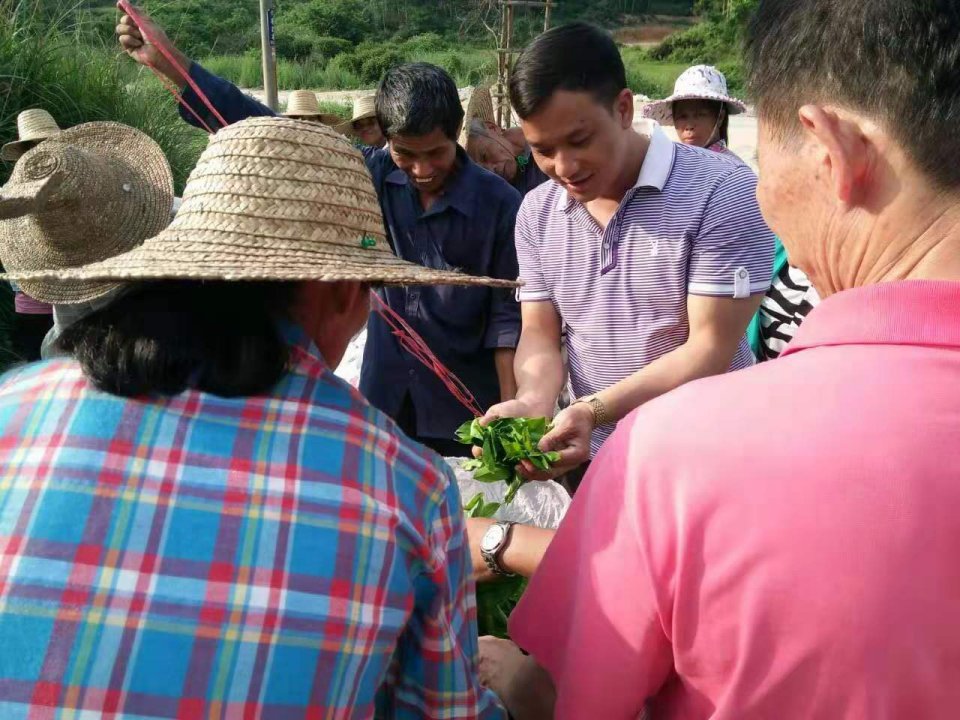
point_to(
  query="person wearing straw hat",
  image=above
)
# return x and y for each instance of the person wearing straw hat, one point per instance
(442, 211)
(699, 108)
(33, 319)
(102, 188)
(276, 544)
(363, 126)
(303, 105)
(504, 152)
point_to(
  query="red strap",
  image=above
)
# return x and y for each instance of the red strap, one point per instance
(415, 345)
(165, 51)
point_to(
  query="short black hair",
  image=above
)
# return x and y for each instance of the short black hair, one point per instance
(576, 57)
(163, 337)
(894, 60)
(415, 99)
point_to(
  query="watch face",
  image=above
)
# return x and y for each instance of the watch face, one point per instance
(492, 538)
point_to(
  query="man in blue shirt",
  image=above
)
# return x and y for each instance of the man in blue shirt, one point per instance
(440, 210)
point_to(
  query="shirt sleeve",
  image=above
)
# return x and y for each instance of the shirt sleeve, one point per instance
(503, 328)
(591, 614)
(535, 288)
(437, 675)
(229, 100)
(733, 252)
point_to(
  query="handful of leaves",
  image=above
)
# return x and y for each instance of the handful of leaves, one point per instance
(505, 442)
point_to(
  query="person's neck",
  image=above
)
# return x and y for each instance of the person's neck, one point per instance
(915, 241)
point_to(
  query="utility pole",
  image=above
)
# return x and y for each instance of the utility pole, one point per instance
(506, 52)
(269, 50)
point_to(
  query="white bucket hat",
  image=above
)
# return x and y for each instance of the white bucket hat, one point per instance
(700, 82)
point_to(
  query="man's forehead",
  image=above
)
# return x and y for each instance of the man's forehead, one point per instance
(433, 140)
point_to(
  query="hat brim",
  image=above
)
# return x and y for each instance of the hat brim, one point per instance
(321, 117)
(13, 151)
(346, 127)
(144, 164)
(662, 110)
(217, 255)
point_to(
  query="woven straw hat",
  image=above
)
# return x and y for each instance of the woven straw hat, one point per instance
(303, 104)
(700, 82)
(32, 127)
(479, 106)
(363, 107)
(274, 199)
(93, 191)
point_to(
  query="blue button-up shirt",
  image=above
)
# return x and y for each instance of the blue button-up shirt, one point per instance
(470, 228)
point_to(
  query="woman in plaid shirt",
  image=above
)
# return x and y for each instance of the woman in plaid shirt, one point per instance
(197, 518)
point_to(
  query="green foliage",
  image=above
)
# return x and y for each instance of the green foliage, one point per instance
(495, 601)
(348, 19)
(709, 42)
(505, 443)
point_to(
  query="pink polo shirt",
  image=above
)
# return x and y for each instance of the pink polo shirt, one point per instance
(780, 543)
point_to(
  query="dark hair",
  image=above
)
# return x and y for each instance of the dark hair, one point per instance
(415, 99)
(896, 60)
(577, 57)
(163, 337)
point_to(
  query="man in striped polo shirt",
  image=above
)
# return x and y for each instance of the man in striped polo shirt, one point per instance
(652, 255)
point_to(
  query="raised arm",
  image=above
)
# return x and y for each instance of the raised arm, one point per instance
(231, 102)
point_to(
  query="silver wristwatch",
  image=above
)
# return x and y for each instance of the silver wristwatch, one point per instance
(492, 545)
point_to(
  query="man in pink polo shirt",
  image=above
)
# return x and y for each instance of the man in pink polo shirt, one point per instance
(782, 542)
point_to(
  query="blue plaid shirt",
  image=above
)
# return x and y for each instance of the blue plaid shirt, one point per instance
(285, 556)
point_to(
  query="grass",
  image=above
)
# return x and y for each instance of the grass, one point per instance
(655, 78)
(352, 71)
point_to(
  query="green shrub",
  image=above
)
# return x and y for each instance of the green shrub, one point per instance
(706, 43)
(330, 47)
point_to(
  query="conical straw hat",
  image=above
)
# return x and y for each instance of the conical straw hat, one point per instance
(274, 199)
(303, 103)
(32, 127)
(92, 192)
(479, 106)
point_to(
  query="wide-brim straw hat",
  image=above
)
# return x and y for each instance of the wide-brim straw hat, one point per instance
(33, 126)
(303, 104)
(700, 82)
(94, 191)
(274, 199)
(478, 106)
(364, 107)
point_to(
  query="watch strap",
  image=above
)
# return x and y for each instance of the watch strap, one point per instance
(492, 557)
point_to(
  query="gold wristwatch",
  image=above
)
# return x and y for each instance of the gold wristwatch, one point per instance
(599, 410)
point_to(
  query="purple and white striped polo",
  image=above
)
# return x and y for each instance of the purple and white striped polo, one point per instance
(690, 225)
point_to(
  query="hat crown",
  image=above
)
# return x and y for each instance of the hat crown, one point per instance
(701, 80)
(364, 106)
(302, 102)
(65, 218)
(303, 179)
(36, 124)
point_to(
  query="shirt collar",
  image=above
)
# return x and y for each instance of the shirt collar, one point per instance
(909, 312)
(460, 187)
(304, 354)
(655, 170)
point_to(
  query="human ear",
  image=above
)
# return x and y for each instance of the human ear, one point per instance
(623, 108)
(844, 149)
